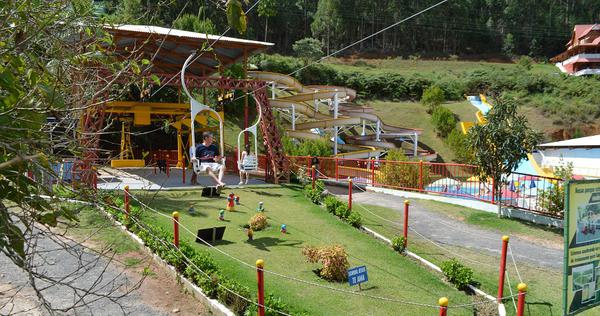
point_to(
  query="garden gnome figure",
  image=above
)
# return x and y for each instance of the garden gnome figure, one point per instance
(260, 208)
(250, 234)
(230, 202)
(283, 229)
(221, 215)
(237, 200)
(192, 210)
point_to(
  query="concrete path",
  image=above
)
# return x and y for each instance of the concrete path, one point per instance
(146, 179)
(458, 233)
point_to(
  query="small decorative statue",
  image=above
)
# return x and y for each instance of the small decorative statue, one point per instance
(283, 229)
(230, 202)
(250, 234)
(261, 207)
(237, 200)
(221, 215)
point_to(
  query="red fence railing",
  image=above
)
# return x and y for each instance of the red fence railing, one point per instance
(523, 191)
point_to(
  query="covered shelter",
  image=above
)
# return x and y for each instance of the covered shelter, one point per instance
(583, 153)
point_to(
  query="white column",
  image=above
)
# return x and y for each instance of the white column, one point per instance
(336, 102)
(416, 142)
(273, 90)
(293, 117)
(316, 102)
(364, 124)
(378, 131)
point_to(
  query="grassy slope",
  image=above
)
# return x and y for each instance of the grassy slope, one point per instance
(390, 275)
(544, 296)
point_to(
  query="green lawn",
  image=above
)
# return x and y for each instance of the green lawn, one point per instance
(390, 274)
(544, 296)
(408, 67)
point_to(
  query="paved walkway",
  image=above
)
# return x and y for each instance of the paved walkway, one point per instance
(458, 233)
(146, 179)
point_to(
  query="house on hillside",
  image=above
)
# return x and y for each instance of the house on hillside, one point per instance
(583, 153)
(582, 56)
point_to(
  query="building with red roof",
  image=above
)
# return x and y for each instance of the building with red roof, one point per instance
(582, 56)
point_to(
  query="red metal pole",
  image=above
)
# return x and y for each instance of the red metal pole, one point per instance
(421, 175)
(167, 164)
(443, 302)
(260, 264)
(406, 205)
(313, 177)
(502, 268)
(126, 201)
(176, 229)
(522, 287)
(373, 173)
(349, 193)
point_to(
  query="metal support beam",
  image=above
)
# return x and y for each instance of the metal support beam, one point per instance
(416, 142)
(364, 124)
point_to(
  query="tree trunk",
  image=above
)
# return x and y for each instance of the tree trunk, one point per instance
(266, 26)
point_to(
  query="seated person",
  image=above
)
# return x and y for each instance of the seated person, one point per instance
(207, 156)
(247, 163)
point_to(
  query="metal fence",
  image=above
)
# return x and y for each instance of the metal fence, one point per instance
(524, 191)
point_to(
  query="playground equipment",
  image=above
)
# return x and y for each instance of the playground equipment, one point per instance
(197, 107)
(126, 156)
(343, 119)
(250, 161)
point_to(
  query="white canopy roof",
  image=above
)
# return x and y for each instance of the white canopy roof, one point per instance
(583, 142)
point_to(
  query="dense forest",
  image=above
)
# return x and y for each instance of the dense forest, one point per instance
(466, 28)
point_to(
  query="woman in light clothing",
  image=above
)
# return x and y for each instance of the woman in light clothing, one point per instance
(246, 163)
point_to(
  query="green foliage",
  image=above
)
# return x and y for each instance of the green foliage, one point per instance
(308, 49)
(508, 45)
(328, 22)
(552, 200)
(443, 120)
(236, 18)
(354, 219)
(458, 143)
(307, 147)
(342, 211)
(432, 98)
(405, 175)
(398, 243)
(332, 203)
(499, 145)
(525, 63)
(193, 23)
(316, 194)
(457, 274)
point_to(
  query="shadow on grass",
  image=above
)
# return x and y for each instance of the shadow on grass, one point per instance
(265, 193)
(263, 243)
(548, 304)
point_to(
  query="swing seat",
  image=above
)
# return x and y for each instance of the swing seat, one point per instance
(250, 163)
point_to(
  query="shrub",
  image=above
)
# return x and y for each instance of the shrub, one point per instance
(316, 195)
(355, 219)
(334, 259)
(405, 175)
(552, 200)
(342, 211)
(308, 49)
(332, 203)
(258, 222)
(432, 97)
(398, 243)
(443, 120)
(525, 63)
(457, 141)
(457, 274)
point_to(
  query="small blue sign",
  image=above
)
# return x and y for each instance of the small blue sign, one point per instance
(357, 275)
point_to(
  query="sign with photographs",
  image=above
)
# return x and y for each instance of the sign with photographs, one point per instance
(581, 279)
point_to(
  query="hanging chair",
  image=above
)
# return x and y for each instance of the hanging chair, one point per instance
(195, 108)
(250, 161)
